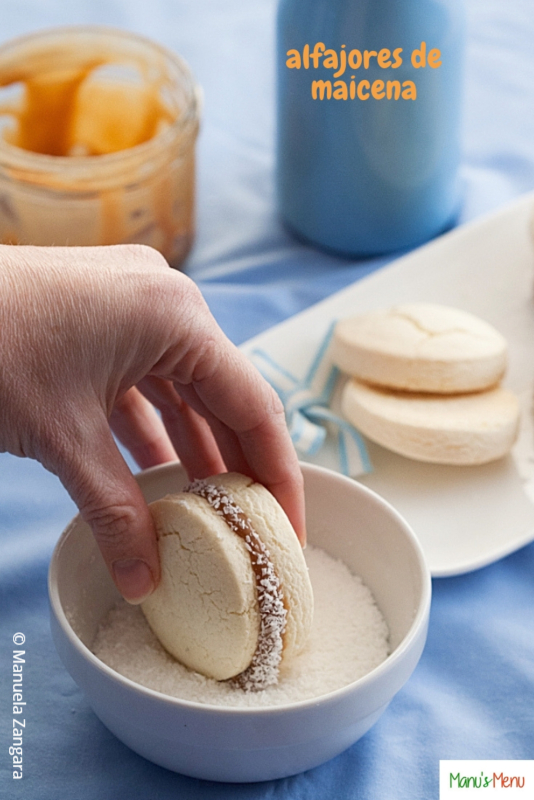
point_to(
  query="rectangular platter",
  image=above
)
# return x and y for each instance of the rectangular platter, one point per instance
(465, 517)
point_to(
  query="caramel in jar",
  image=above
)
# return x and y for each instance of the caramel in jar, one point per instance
(97, 142)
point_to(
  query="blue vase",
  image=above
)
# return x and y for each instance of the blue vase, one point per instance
(369, 168)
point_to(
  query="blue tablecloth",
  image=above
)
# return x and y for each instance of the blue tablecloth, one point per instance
(472, 694)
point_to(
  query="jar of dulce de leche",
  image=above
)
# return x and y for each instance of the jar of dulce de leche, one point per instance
(97, 141)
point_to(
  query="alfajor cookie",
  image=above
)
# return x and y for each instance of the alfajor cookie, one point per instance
(457, 429)
(421, 347)
(235, 598)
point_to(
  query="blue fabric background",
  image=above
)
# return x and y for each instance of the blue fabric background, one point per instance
(472, 693)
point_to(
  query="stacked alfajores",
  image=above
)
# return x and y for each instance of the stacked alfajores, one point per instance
(425, 383)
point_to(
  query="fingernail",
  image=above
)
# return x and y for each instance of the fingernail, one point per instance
(134, 579)
(304, 538)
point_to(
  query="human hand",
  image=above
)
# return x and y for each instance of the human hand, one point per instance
(96, 337)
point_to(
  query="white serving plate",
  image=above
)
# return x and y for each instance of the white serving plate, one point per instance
(465, 517)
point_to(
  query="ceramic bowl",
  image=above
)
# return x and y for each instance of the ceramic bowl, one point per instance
(251, 744)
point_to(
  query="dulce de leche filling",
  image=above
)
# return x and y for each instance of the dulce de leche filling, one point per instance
(263, 669)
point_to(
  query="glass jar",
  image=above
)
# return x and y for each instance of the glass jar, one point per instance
(368, 165)
(97, 141)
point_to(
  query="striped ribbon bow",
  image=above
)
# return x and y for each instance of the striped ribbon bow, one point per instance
(309, 419)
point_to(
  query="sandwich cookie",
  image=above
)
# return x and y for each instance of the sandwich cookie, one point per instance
(457, 429)
(421, 347)
(235, 599)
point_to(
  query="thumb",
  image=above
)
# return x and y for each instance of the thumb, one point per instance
(110, 501)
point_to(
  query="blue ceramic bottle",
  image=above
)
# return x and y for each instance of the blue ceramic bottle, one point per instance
(369, 174)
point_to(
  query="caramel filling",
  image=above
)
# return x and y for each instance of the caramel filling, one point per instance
(263, 669)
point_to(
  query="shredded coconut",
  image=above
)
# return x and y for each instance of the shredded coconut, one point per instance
(349, 638)
(263, 669)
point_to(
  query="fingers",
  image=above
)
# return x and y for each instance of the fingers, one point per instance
(265, 452)
(226, 439)
(136, 424)
(223, 386)
(188, 431)
(110, 501)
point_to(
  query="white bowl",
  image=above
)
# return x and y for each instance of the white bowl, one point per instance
(251, 744)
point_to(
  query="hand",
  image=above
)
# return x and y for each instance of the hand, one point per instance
(96, 337)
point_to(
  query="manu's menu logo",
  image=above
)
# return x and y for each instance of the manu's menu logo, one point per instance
(483, 781)
(469, 777)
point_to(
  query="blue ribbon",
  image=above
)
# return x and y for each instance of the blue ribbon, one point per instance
(306, 402)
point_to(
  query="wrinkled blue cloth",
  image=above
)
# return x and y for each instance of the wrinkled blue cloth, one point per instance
(472, 695)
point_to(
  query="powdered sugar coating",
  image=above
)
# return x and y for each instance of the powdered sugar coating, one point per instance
(264, 667)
